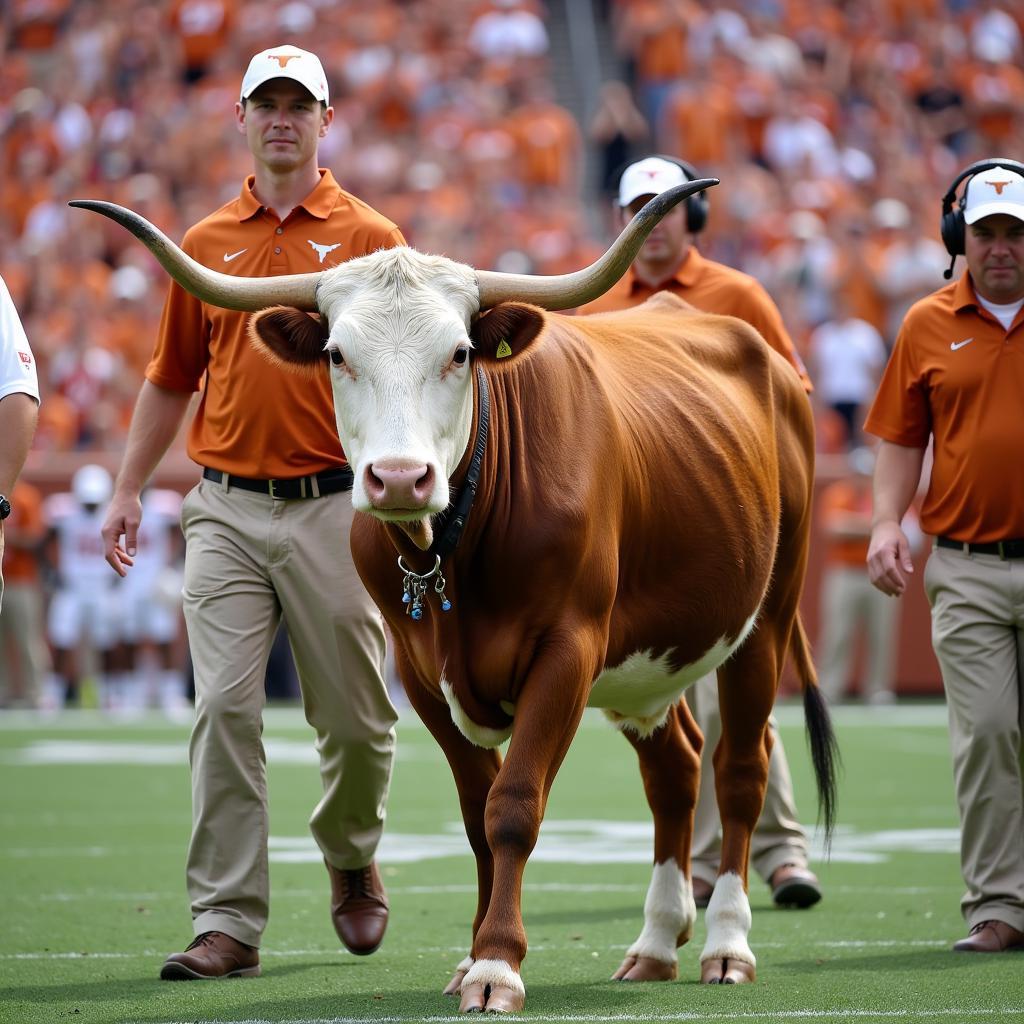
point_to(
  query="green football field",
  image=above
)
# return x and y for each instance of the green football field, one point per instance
(94, 824)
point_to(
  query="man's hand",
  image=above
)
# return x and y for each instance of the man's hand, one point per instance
(888, 554)
(123, 519)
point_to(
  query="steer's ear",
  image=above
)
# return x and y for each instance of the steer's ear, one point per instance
(506, 332)
(291, 339)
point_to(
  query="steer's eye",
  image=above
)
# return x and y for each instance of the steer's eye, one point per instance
(336, 357)
(461, 355)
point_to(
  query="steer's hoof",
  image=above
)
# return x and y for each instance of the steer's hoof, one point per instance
(478, 998)
(643, 968)
(726, 972)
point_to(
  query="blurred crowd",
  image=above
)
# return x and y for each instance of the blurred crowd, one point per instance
(835, 128)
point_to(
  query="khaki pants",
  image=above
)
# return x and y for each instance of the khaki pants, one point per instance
(978, 635)
(24, 657)
(849, 601)
(249, 560)
(778, 838)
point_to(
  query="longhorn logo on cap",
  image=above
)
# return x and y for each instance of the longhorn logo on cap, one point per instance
(999, 186)
(283, 60)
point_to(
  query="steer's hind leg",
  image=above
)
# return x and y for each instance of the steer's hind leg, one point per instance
(746, 692)
(670, 768)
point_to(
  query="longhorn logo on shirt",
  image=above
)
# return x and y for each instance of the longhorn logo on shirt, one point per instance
(323, 250)
(999, 186)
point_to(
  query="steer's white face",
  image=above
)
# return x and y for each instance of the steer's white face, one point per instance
(402, 379)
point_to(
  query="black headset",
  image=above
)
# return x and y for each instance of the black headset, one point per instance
(696, 205)
(953, 227)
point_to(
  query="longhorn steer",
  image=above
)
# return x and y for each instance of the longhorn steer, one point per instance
(642, 487)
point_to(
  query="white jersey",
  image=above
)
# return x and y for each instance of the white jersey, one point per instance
(17, 366)
(87, 602)
(152, 588)
(80, 560)
(154, 547)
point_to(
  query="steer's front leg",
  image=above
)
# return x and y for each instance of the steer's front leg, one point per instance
(547, 714)
(474, 769)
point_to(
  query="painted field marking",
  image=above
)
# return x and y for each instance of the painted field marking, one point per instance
(104, 752)
(460, 951)
(789, 713)
(119, 896)
(562, 841)
(1009, 1013)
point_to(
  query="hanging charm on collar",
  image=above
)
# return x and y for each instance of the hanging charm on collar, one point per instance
(414, 588)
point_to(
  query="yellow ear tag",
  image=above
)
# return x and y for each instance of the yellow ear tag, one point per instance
(504, 349)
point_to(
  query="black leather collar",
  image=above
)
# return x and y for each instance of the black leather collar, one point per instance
(452, 521)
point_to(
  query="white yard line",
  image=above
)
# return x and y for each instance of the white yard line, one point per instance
(148, 954)
(288, 719)
(1007, 1013)
(115, 895)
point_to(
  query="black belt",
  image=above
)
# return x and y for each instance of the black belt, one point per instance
(314, 486)
(1003, 548)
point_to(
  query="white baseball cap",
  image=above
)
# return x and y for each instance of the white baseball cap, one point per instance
(286, 62)
(994, 191)
(649, 177)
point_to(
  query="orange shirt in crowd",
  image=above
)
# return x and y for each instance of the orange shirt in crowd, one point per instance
(655, 34)
(956, 375)
(713, 288)
(204, 27)
(702, 122)
(23, 532)
(546, 143)
(254, 419)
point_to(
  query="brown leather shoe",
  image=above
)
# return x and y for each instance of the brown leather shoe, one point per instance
(212, 955)
(991, 937)
(702, 892)
(359, 907)
(794, 886)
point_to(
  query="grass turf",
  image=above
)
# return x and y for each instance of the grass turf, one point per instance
(94, 824)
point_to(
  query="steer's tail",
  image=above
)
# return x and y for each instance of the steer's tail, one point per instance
(824, 749)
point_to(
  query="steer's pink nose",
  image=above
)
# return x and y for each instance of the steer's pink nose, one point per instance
(398, 484)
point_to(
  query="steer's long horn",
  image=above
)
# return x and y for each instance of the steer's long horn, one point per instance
(243, 293)
(568, 290)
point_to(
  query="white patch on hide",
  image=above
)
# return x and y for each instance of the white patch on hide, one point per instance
(637, 694)
(669, 911)
(728, 922)
(478, 735)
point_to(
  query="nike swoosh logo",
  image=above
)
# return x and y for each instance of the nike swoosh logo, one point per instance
(954, 345)
(228, 257)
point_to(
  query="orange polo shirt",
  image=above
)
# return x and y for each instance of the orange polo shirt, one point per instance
(254, 419)
(713, 288)
(956, 375)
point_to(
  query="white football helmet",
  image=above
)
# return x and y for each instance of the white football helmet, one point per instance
(92, 485)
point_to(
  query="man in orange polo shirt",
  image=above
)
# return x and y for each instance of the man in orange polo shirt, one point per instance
(956, 376)
(669, 261)
(266, 534)
(850, 605)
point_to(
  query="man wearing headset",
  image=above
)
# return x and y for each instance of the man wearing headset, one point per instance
(956, 377)
(669, 261)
